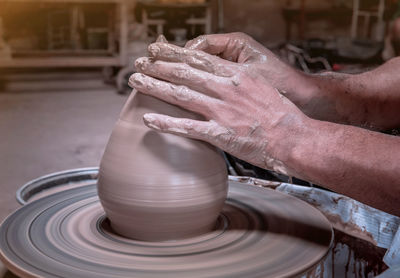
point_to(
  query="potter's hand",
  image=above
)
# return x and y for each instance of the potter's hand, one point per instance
(243, 49)
(247, 117)
(235, 47)
(368, 99)
(244, 115)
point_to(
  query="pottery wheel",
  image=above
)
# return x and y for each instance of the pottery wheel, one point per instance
(260, 233)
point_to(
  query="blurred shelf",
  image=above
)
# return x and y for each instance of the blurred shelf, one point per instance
(45, 62)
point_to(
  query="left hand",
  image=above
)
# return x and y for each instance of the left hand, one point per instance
(244, 115)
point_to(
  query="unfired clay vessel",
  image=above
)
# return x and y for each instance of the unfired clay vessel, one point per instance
(156, 186)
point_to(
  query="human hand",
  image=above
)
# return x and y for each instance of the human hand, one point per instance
(302, 89)
(243, 114)
(241, 48)
(235, 47)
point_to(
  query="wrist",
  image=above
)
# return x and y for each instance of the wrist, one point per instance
(299, 87)
(295, 132)
(317, 145)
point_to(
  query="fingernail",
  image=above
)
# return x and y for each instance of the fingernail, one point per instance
(150, 121)
(154, 50)
(141, 63)
(148, 118)
(136, 80)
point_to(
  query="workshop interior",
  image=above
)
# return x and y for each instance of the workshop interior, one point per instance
(64, 90)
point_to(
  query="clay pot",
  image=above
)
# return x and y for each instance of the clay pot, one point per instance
(155, 186)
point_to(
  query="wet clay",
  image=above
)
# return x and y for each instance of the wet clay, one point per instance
(156, 186)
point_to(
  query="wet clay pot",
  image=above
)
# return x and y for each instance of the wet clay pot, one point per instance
(155, 186)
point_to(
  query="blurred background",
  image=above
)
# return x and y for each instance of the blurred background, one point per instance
(106, 36)
(64, 64)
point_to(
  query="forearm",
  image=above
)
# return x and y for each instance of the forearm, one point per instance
(359, 163)
(370, 99)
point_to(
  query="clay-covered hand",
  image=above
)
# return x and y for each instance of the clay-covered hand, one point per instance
(243, 114)
(241, 48)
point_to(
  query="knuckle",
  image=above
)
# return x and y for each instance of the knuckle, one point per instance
(181, 73)
(204, 83)
(190, 42)
(141, 63)
(241, 35)
(154, 49)
(198, 42)
(214, 110)
(221, 133)
(188, 125)
(182, 93)
(201, 38)
(237, 79)
(229, 140)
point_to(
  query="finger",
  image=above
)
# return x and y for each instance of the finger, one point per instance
(194, 58)
(213, 44)
(236, 47)
(183, 74)
(175, 94)
(208, 131)
(225, 45)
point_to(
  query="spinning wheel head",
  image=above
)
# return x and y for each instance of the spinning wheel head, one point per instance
(260, 233)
